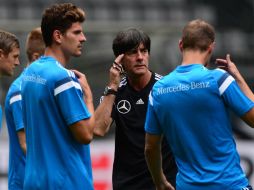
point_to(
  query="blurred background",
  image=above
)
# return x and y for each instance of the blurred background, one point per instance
(163, 21)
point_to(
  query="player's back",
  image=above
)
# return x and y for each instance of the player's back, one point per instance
(193, 114)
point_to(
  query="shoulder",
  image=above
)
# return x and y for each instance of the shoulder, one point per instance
(218, 72)
(14, 92)
(67, 79)
(65, 73)
(58, 72)
(17, 82)
(155, 79)
(159, 79)
(161, 83)
(221, 75)
(48, 70)
(15, 86)
(157, 76)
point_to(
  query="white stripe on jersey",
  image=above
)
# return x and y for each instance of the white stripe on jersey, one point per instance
(15, 98)
(151, 99)
(225, 84)
(67, 86)
(123, 82)
(157, 76)
(71, 73)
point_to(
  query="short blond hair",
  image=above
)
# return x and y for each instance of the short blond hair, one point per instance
(198, 35)
(34, 43)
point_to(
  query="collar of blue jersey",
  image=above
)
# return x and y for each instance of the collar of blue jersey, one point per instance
(189, 67)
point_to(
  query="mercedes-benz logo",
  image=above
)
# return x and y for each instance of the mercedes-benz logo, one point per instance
(123, 106)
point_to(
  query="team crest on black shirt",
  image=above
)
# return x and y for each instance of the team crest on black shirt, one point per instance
(123, 106)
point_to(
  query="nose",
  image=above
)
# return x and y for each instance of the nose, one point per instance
(17, 62)
(139, 55)
(83, 37)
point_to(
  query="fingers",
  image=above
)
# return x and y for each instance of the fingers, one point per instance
(221, 61)
(80, 76)
(229, 61)
(118, 67)
(77, 73)
(119, 58)
(117, 64)
(224, 61)
(226, 64)
(228, 58)
(222, 64)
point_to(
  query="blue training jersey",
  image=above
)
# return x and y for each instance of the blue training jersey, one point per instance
(190, 107)
(14, 121)
(52, 99)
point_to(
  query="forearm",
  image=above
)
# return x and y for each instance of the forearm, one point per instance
(103, 118)
(103, 112)
(154, 162)
(88, 99)
(89, 105)
(153, 159)
(22, 139)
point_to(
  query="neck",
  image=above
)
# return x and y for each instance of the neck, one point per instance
(195, 57)
(58, 54)
(139, 82)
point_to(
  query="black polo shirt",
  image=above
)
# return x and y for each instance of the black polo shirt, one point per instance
(130, 171)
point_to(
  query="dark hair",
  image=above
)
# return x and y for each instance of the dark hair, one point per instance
(34, 43)
(8, 41)
(129, 39)
(198, 35)
(59, 17)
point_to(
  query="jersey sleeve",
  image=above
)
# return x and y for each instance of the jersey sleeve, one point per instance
(233, 96)
(15, 104)
(69, 97)
(152, 125)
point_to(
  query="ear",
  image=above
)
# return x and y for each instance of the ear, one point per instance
(1, 53)
(57, 36)
(35, 56)
(180, 45)
(211, 47)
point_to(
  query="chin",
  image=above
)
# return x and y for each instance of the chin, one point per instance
(77, 54)
(9, 74)
(140, 72)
